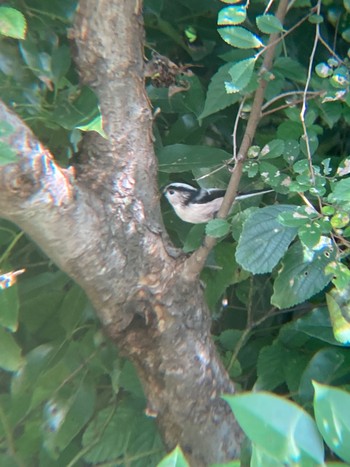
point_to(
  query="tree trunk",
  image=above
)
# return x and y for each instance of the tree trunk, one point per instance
(101, 224)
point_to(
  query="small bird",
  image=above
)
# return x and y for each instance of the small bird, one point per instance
(198, 205)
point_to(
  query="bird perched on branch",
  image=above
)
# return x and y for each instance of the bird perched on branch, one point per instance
(198, 205)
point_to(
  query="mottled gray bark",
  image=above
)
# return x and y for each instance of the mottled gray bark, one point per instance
(102, 225)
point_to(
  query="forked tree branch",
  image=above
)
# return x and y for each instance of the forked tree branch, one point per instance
(103, 227)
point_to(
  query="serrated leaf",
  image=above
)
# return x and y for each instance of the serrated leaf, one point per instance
(302, 274)
(217, 98)
(65, 417)
(279, 427)
(232, 15)
(10, 352)
(264, 240)
(240, 37)
(12, 23)
(241, 74)
(332, 413)
(182, 157)
(269, 24)
(112, 431)
(217, 228)
(175, 458)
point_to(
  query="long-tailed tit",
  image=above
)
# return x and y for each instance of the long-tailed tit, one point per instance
(198, 205)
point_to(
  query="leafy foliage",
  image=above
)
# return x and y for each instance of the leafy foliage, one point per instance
(276, 282)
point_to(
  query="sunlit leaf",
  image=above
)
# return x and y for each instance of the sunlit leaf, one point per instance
(241, 74)
(332, 413)
(278, 426)
(175, 458)
(12, 23)
(240, 37)
(338, 302)
(232, 15)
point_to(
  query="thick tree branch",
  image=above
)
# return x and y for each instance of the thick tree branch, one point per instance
(103, 227)
(196, 262)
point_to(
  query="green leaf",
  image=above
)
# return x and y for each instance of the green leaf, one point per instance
(275, 148)
(26, 378)
(175, 458)
(10, 352)
(82, 112)
(270, 367)
(310, 233)
(323, 368)
(71, 309)
(332, 413)
(302, 274)
(7, 153)
(264, 240)
(241, 74)
(217, 98)
(260, 458)
(279, 427)
(289, 68)
(217, 228)
(194, 238)
(221, 272)
(178, 158)
(65, 417)
(340, 191)
(316, 324)
(109, 433)
(291, 150)
(232, 15)
(269, 24)
(338, 302)
(9, 307)
(12, 23)
(240, 37)
(94, 125)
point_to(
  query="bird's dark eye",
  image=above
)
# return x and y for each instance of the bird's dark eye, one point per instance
(171, 192)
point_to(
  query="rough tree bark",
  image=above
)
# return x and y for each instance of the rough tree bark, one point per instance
(102, 225)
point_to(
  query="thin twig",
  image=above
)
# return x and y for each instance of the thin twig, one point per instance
(304, 106)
